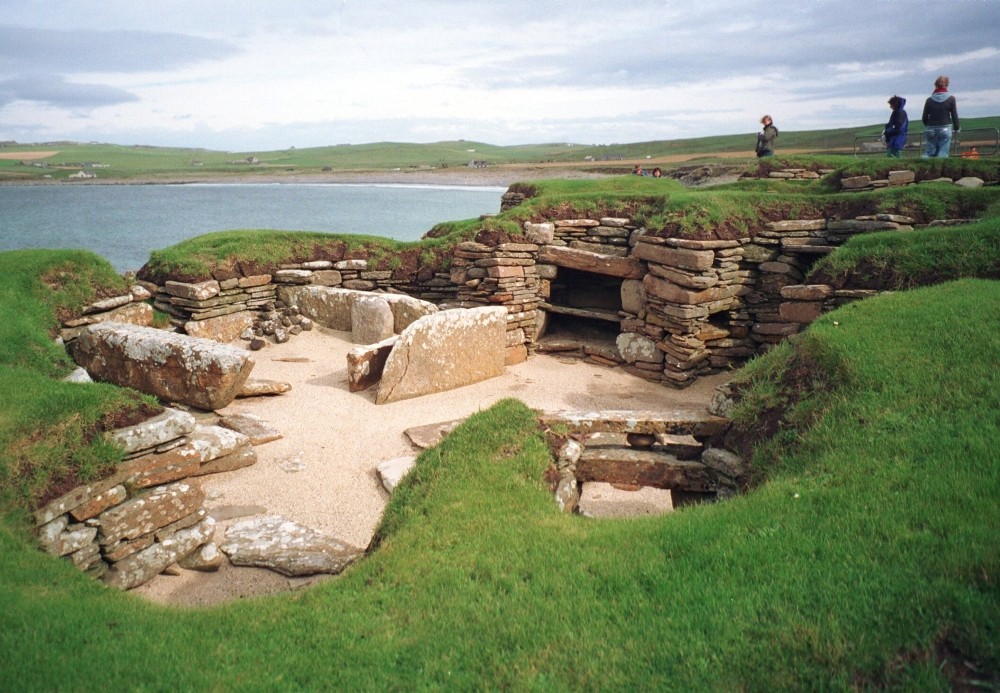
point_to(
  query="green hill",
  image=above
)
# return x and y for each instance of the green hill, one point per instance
(122, 162)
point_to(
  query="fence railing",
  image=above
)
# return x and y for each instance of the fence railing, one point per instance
(965, 143)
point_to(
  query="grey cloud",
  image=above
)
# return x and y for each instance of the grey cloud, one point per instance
(802, 40)
(56, 91)
(25, 49)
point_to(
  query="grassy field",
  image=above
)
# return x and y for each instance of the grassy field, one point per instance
(118, 162)
(865, 556)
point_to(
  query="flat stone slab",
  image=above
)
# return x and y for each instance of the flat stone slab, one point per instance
(148, 512)
(253, 427)
(391, 472)
(146, 564)
(637, 467)
(254, 387)
(697, 423)
(431, 434)
(206, 449)
(171, 424)
(587, 261)
(600, 500)
(286, 547)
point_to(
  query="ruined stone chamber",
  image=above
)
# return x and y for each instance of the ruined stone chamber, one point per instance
(665, 309)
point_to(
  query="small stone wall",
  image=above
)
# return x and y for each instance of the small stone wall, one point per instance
(687, 307)
(149, 514)
(684, 308)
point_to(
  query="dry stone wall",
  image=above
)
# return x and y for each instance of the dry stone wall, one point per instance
(682, 308)
(149, 514)
(687, 307)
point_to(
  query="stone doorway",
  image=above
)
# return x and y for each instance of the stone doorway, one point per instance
(582, 305)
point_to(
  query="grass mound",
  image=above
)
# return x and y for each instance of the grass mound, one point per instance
(49, 429)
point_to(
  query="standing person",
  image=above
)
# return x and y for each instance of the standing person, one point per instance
(766, 138)
(940, 116)
(895, 129)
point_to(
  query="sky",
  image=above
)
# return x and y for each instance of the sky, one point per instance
(262, 75)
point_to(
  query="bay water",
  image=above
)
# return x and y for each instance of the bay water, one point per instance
(124, 223)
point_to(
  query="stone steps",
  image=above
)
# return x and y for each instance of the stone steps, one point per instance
(692, 422)
(637, 467)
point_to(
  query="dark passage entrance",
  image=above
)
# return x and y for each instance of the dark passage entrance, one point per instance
(584, 305)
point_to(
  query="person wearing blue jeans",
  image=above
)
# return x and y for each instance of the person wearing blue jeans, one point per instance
(939, 118)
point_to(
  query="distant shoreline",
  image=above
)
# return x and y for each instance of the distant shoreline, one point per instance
(499, 176)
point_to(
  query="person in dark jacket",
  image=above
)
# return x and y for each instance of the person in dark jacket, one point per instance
(895, 129)
(766, 138)
(939, 118)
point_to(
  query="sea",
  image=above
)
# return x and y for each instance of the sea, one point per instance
(125, 223)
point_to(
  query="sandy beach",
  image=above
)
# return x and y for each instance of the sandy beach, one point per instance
(322, 473)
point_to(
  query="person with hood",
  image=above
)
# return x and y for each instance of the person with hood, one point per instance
(895, 129)
(766, 138)
(940, 116)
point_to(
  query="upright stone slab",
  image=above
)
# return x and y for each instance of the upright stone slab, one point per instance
(444, 351)
(366, 363)
(327, 306)
(371, 319)
(173, 367)
(406, 310)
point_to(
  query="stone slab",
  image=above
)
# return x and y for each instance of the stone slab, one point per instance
(443, 351)
(599, 500)
(638, 467)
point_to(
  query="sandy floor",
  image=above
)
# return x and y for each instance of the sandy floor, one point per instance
(336, 439)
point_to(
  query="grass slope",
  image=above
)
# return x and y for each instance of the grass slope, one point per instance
(48, 428)
(867, 551)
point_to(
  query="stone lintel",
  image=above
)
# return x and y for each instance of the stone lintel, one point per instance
(598, 263)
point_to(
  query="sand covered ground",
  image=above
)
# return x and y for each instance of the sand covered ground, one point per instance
(322, 473)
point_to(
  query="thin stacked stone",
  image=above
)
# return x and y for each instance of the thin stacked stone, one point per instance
(192, 302)
(689, 283)
(149, 514)
(131, 308)
(783, 253)
(607, 235)
(502, 275)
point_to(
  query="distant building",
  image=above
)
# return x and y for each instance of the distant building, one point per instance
(82, 174)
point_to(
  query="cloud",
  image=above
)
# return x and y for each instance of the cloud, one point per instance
(114, 51)
(54, 90)
(241, 75)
